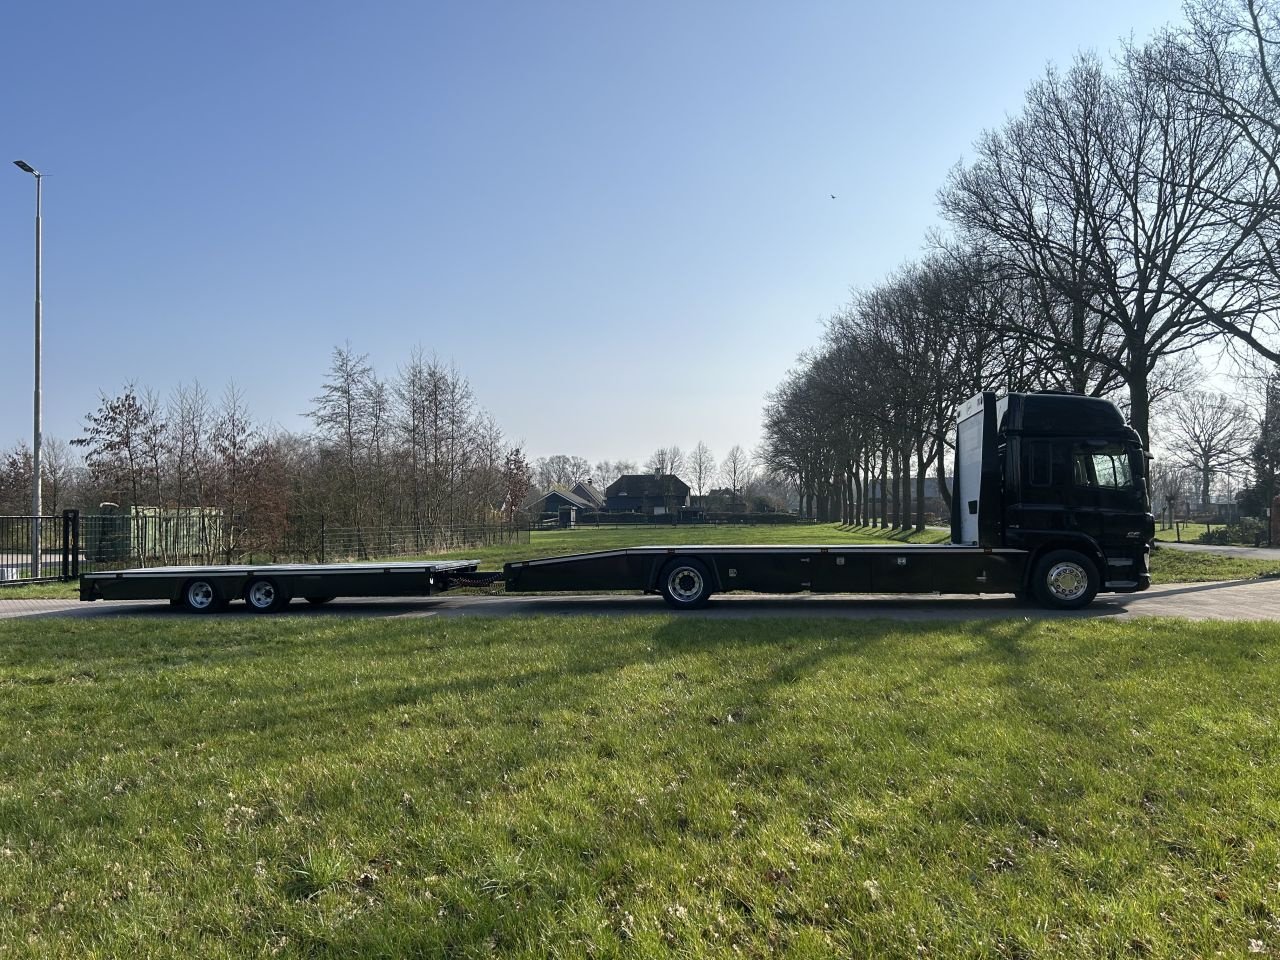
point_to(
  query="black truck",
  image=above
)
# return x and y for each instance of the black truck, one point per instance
(1050, 502)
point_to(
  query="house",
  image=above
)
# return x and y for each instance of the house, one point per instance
(647, 493)
(549, 502)
(587, 491)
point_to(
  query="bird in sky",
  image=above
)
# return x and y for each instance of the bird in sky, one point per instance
(833, 196)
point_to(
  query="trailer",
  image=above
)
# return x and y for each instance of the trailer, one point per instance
(270, 587)
(1050, 502)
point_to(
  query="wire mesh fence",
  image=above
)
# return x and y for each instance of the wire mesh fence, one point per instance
(20, 559)
(148, 537)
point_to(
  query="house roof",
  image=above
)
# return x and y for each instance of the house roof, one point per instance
(648, 485)
(587, 491)
(557, 490)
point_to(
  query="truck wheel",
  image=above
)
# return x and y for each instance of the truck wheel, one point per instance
(318, 601)
(685, 584)
(200, 596)
(1065, 580)
(265, 596)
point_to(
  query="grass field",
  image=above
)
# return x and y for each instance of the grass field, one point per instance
(1168, 566)
(638, 787)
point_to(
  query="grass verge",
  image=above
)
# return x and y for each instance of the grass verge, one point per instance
(1170, 565)
(638, 787)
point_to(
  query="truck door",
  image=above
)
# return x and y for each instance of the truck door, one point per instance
(1106, 499)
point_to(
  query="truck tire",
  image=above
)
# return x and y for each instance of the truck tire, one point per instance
(200, 596)
(1065, 580)
(685, 584)
(265, 596)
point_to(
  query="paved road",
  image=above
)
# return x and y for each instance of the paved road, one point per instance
(1228, 600)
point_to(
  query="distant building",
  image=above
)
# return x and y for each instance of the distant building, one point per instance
(585, 490)
(647, 493)
(550, 501)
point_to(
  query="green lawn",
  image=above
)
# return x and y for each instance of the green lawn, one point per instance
(638, 787)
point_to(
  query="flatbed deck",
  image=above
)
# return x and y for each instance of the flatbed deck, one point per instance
(784, 568)
(271, 586)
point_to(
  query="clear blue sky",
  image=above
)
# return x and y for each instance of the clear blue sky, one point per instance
(614, 217)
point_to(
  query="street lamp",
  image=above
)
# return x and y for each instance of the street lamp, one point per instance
(36, 553)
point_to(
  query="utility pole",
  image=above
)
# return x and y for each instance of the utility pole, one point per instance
(36, 552)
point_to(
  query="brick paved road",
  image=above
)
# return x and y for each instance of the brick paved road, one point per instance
(1229, 600)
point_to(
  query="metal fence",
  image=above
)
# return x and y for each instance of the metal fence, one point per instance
(147, 537)
(58, 549)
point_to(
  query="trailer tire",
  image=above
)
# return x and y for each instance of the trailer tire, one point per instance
(200, 596)
(265, 596)
(1065, 580)
(318, 601)
(685, 584)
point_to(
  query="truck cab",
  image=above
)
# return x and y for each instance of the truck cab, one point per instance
(1046, 472)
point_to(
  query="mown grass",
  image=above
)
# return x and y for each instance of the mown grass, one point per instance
(1191, 533)
(1170, 565)
(638, 787)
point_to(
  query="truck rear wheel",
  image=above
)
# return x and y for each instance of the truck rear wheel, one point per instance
(1065, 580)
(265, 596)
(200, 596)
(685, 584)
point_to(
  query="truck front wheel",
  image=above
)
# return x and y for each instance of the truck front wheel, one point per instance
(1065, 580)
(685, 584)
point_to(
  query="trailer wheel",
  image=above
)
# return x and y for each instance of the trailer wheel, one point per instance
(318, 601)
(200, 596)
(265, 596)
(1065, 580)
(685, 584)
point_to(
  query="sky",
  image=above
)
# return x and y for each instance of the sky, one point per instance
(614, 218)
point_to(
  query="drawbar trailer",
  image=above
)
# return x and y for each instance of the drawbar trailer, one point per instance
(271, 587)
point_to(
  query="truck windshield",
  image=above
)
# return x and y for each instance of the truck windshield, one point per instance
(1108, 467)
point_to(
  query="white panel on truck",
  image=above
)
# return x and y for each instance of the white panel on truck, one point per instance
(969, 420)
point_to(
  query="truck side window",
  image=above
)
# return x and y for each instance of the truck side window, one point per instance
(1041, 456)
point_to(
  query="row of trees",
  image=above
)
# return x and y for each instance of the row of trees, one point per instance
(414, 450)
(1124, 220)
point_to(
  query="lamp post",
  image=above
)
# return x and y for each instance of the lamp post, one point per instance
(36, 553)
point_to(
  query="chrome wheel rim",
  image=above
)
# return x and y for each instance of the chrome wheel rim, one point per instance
(262, 594)
(1067, 581)
(200, 595)
(685, 584)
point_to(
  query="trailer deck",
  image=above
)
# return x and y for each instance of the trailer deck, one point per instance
(270, 587)
(834, 568)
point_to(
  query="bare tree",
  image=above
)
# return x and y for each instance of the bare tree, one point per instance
(735, 473)
(560, 470)
(1122, 196)
(665, 461)
(607, 471)
(1207, 433)
(702, 469)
